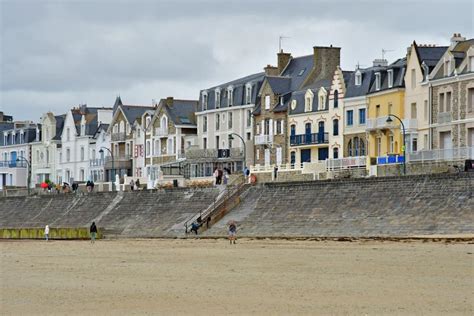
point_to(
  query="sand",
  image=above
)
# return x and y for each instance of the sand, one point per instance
(210, 277)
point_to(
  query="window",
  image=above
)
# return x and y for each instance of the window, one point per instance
(390, 77)
(218, 99)
(471, 63)
(356, 146)
(377, 110)
(279, 125)
(413, 111)
(21, 138)
(249, 135)
(82, 154)
(282, 100)
(204, 143)
(218, 121)
(447, 67)
(230, 97)
(390, 108)
(391, 142)
(448, 101)
(81, 175)
(204, 100)
(336, 99)
(361, 116)
(470, 100)
(292, 158)
(414, 144)
(425, 110)
(379, 146)
(425, 142)
(267, 102)
(441, 102)
(350, 117)
(362, 147)
(249, 118)
(60, 157)
(335, 127)
(307, 105)
(230, 120)
(258, 154)
(248, 93)
(230, 143)
(335, 153)
(413, 78)
(67, 134)
(358, 78)
(217, 142)
(68, 154)
(292, 130)
(349, 147)
(377, 81)
(267, 127)
(204, 124)
(322, 104)
(138, 131)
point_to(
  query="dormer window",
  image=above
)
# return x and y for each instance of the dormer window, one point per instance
(322, 96)
(22, 140)
(447, 67)
(204, 100)
(230, 96)
(308, 101)
(377, 81)
(390, 77)
(218, 98)
(282, 100)
(267, 102)
(358, 78)
(248, 93)
(148, 120)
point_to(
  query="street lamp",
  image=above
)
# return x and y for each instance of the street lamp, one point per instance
(101, 151)
(389, 120)
(243, 142)
(28, 171)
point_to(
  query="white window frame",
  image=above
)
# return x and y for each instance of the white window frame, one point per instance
(230, 96)
(308, 101)
(358, 78)
(248, 93)
(204, 100)
(390, 77)
(267, 102)
(217, 98)
(377, 81)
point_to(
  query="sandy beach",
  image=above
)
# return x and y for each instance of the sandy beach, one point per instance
(211, 277)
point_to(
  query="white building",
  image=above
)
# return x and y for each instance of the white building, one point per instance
(15, 152)
(77, 142)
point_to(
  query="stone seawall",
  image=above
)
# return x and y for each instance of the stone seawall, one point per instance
(384, 207)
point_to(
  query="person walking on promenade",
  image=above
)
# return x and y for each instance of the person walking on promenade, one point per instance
(132, 184)
(93, 231)
(216, 176)
(137, 183)
(232, 232)
(46, 232)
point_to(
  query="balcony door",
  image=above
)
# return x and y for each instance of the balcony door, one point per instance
(323, 153)
(13, 159)
(321, 132)
(307, 135)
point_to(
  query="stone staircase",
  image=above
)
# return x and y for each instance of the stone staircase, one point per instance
(390, 207)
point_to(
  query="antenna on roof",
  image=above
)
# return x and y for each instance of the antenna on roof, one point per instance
(279, 41)
(386, 51)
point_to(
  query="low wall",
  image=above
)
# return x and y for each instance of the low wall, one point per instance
(54, 233)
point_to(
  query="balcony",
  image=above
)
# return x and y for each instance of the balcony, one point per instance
(118, 137)
(444, 117)
(161, 131)
(120, 162)
(380, 123)
(410, 124)
(263, 139)
(12, 164)
(309, 139)
(97, 162)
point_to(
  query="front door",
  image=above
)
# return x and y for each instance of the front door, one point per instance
(305, 155)
(323, 153)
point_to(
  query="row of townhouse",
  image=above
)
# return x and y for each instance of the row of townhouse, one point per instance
(306, 109)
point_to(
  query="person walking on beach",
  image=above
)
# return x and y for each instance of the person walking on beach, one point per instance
(93, 231)
(46, 232)
(232, 232)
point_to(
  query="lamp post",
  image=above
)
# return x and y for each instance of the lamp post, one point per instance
(389, 120)
(243, 142)
(101, 151)
(28, 171)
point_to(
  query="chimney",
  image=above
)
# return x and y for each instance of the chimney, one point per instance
(83, 108)
(271, 70)
(456, 38)
(283, 60)
(326, 60)
(169, 101)
(380, 62)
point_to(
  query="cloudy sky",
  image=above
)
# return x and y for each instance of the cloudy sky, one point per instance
(58, 54)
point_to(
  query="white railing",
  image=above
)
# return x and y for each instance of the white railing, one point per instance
(460, 153)
(380, 123)
(410, 124)
(263, 139)
(161, 131)
(348, 162)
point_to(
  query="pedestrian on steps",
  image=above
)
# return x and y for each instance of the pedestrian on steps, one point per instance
(93, 231)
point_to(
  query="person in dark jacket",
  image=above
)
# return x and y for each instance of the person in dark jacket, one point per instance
(93, 231)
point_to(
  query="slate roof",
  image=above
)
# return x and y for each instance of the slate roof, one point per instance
(29, 134)
(399, 68)
(298, 70)
(182, 112)
(279, 85)
(90, 114)
(238, 92)
(59, 126)
(299, 96)
(430, 55)
(133, 112)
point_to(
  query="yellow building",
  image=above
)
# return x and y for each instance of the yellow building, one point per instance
(386, 99)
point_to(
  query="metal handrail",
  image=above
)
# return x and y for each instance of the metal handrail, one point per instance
(229, 192)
